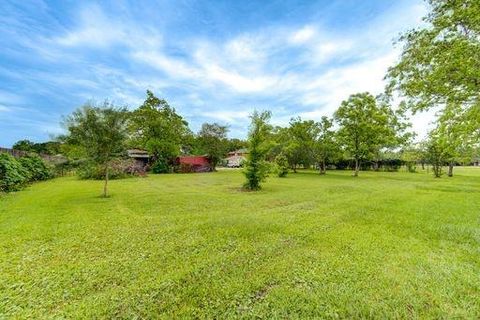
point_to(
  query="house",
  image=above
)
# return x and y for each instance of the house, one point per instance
(236, 158)
(240, 152)
(194, 164)
(140, 156)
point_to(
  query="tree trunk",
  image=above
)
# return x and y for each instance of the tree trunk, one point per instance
(423, 165)
(357, 168)
(105, 186)
(450, 169)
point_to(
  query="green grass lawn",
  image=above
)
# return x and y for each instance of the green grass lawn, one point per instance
(384, 245)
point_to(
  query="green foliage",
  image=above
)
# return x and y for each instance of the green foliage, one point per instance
(236, 144)
(13, 176)
(24, 145)
(156, 127)
(118, 169)
(256, 167)
(161, 166)
(365, 127)
(36, 168)
(212, 141)
(437, 153)
(281, 162)
(49, 147)
(439, 64)
(325, 147)
(16, 173)
(100, 133)
(299, 143)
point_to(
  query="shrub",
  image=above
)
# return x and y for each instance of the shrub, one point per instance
(13, 176)
(119, 169)
(36, 168)
(411, 166)
(281, 162)
(160, 166)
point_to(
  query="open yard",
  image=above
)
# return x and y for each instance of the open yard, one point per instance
(383, 245)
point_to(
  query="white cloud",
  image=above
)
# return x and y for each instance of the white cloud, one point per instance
(303, 35)
(227, 116)
(302, 70)
(96, 29)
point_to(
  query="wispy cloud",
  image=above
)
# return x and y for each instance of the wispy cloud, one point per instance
(303, 66)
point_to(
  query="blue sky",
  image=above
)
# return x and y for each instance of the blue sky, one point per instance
(212, 60)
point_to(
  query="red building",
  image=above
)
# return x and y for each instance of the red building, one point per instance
(194, 164)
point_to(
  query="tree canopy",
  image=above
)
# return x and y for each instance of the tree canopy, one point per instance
(100, 132)
(156, 127)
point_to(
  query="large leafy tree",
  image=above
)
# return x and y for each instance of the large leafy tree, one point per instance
(440, 63)
(364, 127)
(256, 166)
(157, 127)
(100, 132)
(212, 140)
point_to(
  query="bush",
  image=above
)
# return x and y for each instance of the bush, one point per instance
(281, 162)
(119, 169)
(161, 166)
(13, 175)
(36, 168)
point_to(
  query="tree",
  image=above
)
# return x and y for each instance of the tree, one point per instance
(156, 127)
(236, 144)
(454, 133)
(24, 145)
(256, 167)
(212, 140)
(100, 132)
(364, 127)
(300, 142)
(325, 147)
(414, 154)
(440, 65)
(281, 162)
(436, 153)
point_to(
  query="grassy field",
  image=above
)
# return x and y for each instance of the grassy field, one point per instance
(384, 245)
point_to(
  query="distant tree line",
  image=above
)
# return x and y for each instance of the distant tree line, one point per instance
(439, 68)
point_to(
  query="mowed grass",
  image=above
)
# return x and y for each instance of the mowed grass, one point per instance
(384, 245)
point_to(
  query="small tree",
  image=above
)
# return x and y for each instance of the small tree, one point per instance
(325, 146)
(212, 140)
(281, 162)
(256, 167)
(436, 154)
(300, 142)
(100, 132)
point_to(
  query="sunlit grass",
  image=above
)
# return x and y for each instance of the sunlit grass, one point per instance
(383, 245)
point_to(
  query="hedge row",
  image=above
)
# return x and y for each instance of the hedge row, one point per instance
(17, 173)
